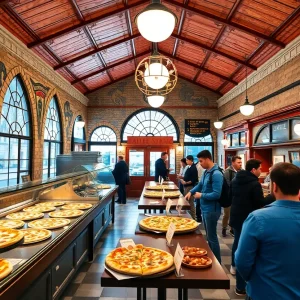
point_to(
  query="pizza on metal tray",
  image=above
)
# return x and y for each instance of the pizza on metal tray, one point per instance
(9, 236)
(139, 260)
(71, 213)
(35, 235)
(77, 206)
(25, 215)
(49, 223)
(158, 194)
(12, 223)
(5, 268)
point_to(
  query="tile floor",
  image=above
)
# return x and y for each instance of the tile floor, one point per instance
(87, 285)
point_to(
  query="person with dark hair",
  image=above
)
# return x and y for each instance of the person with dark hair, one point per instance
(160, 167)
(189, 180)
(268, 252)
(246, 195)
(120, 173)
(181, 173)
(209, 191)
(229, 174)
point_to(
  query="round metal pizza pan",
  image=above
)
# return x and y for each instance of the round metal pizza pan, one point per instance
(10, 247)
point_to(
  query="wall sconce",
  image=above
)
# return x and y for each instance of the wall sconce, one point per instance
(121, 149)
(224, 142)
(179, 149)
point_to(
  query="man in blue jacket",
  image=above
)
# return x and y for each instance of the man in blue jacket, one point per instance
(268, 254)
(160, 167)
(209, 191)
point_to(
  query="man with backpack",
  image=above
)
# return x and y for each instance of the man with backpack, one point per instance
(209, 190)
(229, 174)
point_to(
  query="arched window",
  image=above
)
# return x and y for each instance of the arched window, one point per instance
(150, 122)
(52, 139)
(193, 145)
(78, 137)
(104, 140)
(15, 135)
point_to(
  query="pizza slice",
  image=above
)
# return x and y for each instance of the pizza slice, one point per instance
(5, 268)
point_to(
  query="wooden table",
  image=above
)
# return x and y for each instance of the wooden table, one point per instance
(210, 278)
(146, 203)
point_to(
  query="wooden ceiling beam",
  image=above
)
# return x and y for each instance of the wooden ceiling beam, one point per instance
(203, 46)
(95, 51)
(199, 67)
(110, 67)
(84, 23)
(239, 27)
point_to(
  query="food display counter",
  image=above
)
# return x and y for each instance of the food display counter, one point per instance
(43, 269)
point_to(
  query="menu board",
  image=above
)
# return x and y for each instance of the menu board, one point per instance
(197, 128)
(280, 132)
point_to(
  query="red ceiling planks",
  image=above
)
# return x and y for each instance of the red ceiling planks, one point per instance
(209, 80)
(43, 54)
(290, 32)
(185, 70)
(86, 66)
(267, 52)
(227, 88)
(241, 74)
(96, 81)
(190, 52)
(221, 65)
(119, 52)
(176, 10)
(79, 86)
(141, 45)
(65, 74)
(167, 45)
(122, 70)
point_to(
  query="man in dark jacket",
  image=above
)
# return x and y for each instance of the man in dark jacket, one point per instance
(120, 173)
(247, 195)
(160, 167)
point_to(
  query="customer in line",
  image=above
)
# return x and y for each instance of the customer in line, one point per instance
(246, 195)
(160, 167)
(181, 173)
(120, 173)
(209, 191)
(268, 253)
(229, 174)
(189, 180)
(198, 208)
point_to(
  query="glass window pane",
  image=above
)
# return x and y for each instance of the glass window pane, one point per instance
(136, 163)
(103, 134)
(13, 148)
(108, 154)
(264, 136)
(154, 156)
(78, 132)
(24, 164)
(24, 153)
(172, 161)
(295, 129)
(52, 128)
(194, 150)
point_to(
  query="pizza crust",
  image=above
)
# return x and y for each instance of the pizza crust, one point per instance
(14, 224)
(6, 268)
(77, 206)
(35, 235)
(9, 236)
(66, 213)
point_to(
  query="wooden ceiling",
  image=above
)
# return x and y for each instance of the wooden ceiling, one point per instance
(94, 43)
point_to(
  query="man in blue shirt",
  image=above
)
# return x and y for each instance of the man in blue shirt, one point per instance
(209, 191)
(268, 254)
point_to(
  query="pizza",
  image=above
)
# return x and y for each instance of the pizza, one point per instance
(40, 208)
(194, 251)
(161, 187)
(77, 206)
(25, 215)
(6, 268)
(161, 223)
(11, 223)
(196, 262)
(158, 194)
(103, 186)
(49, 223)
(139, 260)
(35, 235)
(67, 213)
(9, 236)
(52, 203)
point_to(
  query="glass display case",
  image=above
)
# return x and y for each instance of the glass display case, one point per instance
(91, 186)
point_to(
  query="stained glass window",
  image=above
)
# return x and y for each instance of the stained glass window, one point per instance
(15, 135)
(52, 139)
(150, 123)
(103, 134)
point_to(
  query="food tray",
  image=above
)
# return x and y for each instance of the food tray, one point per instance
(197, 267)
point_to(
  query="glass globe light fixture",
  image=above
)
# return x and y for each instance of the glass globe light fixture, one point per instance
(218, 124)
(224, 142)
(297, 129)
(79, 122)
(156, 22)
(156, 101)
(246, 109)
(156, 75)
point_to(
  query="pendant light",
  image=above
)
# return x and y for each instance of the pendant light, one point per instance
(218, 124)
(156, 101)
(156, 22)
(297, 129)
(79, 122)
(224, 142)
(246, 109)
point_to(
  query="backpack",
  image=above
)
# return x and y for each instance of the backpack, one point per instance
(224, 200)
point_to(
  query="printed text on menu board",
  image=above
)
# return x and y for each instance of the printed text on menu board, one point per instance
(197, 128)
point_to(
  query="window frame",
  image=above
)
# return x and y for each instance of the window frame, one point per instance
(77, 140)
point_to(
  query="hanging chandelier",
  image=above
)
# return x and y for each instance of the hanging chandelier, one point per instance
(246, 109)
(156, 75)
(156, 22)
(218, 124)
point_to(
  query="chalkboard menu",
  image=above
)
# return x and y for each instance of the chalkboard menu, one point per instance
(280, 132)
(197, 128)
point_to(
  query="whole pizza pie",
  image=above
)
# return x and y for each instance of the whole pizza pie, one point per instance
(5, 268)
(103, 186)
(53, 203)
(40, 208)
(35, 235)
(9, 236)
(67, 213)
(139, 260)
(25, 215)
(11, 223)
(49, 223)
(158, 194)
(77, 206)
(161, 187)
(161, 223)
